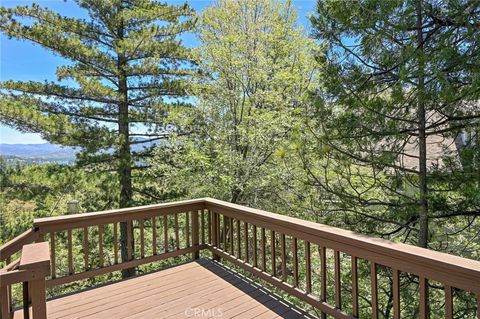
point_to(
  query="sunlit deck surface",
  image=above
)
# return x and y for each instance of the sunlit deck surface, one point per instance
(199, 289)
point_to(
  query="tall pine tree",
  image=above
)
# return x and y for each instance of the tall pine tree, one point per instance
(126, 67)
(401, 88)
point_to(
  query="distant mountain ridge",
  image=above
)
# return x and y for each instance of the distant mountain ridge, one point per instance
(44, 151)
(52, 152)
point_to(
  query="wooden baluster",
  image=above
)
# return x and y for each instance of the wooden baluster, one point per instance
(26, 300)
(224, 233)
(284, 257)
(100, 245)
(255, 258)
(214, 230)
(423, 298)
(448, 302)
(216, 233)
(9, 294)
(323, 277)
(165, 232)
(217, 228)
(308, 269)
(154, 235)
(69, 252)
(355, 310)
(245, 238)
(177, 236)
(209, 216)
(239, 241)
(219, 232)
(295, 261)
(52, 255)
(264, 250)
(231, 237)
(195, 234)
(272, 253)
(85, 247)
(374, 287)
(115, 242)
(396, 293)
(187, 227)
(338, 283)
(129, 240)
(142, 238)
(202, 223)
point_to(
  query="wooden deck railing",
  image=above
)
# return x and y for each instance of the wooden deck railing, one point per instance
(31, 270)
(284, 251)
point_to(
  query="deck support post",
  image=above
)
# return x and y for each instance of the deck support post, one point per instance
(36, 261)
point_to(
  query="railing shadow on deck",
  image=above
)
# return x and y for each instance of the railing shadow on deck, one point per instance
(274, 248)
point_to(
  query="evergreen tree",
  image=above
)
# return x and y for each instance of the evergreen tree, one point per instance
(126, 68)
(400, 78)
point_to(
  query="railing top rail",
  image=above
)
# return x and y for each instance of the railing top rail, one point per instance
(457, 271)
(115, 215)
(16, 244)
(400, 256)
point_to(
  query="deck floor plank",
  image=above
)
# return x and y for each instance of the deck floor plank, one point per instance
(199, 289)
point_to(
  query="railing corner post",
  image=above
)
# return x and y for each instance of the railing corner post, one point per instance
(35, 260)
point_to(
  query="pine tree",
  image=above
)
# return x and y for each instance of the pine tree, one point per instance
(127, 67)
(400, 76)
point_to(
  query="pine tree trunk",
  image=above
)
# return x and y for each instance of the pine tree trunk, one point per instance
(125, 158)
(422, 141)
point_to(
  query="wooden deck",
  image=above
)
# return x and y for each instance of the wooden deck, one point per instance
(200, 289)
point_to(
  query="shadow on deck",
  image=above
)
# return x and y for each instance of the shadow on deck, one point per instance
(198, 289)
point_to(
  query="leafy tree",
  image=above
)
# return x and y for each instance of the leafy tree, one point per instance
(43, 190)
(126, 68)
(258, 68)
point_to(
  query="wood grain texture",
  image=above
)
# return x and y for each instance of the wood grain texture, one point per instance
(295, 261)
(172, 293)
(448, 302)
(374, 289)
(115, 242)
(100, 245)
(308, 269)
(154, 235)
(451, 271)
(423, 287)
(338, 280)
(455, 271)
(69, 252)
(323, 277)
(52, 255)
(396, 294)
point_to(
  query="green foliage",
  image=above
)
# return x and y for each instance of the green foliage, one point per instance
(126, 68)
(325, 130)
(43, 190)
(258, 67)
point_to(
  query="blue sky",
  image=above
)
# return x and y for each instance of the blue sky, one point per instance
(21, 60)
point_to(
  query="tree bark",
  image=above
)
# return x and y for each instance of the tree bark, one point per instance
(125, 156)
(422, 140)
